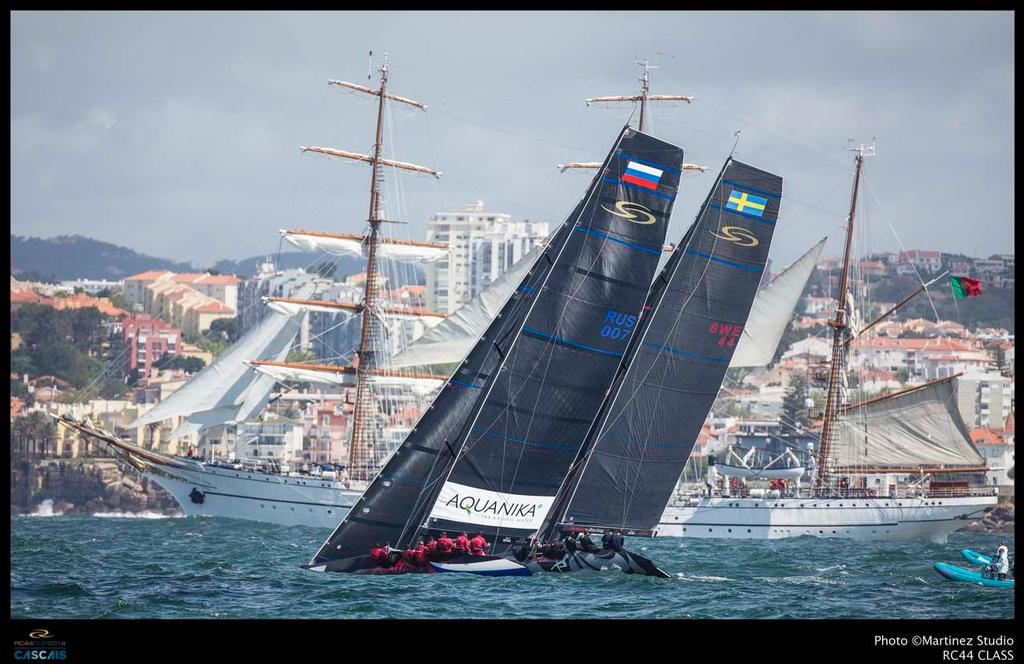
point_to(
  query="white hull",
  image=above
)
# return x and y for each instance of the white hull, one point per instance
(850, 518)
(238, 494)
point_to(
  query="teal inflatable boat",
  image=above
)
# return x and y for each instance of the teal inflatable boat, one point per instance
(954, 573)
(975, 558)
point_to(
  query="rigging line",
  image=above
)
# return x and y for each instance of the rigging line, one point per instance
(833, 158)
(902, 247)
(511, 133)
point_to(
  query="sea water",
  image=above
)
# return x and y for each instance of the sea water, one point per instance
(69, 566)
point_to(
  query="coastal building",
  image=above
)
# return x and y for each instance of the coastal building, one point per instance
(997, 446)
(92, 286)
(483, 244)
(148, 340)
(985, 399)
(924, 261)
(190, 301)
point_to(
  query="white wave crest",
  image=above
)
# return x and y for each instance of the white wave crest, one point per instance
(45, 508)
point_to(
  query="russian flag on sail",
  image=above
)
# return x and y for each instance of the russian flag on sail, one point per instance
(642, 175)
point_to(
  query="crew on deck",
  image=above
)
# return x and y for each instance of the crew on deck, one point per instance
(477, 545)
(584, 543)
(462, 543)
(426, 550)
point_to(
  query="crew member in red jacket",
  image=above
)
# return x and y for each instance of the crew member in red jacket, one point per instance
(445, 546)
(477, 545)
(462, 543)
(421, 554)
(378, 554)
(432, 549)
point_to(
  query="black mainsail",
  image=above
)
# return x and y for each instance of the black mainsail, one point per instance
(693, 318)
(391, 506)
(402, 495)
(536, 412)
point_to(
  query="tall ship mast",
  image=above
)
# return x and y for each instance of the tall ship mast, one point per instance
(642, 100)
(366, 450)
(840, 328)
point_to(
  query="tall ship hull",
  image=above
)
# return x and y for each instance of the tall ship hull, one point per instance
(217, 491)
(900, 519)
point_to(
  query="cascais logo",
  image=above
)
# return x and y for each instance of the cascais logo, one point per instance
(632, 212)
(39, 634)
(737, 235)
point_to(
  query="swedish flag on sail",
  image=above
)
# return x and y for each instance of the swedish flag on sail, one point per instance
(746, 203)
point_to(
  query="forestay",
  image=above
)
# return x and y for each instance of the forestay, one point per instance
(537, 411)
(693, 318)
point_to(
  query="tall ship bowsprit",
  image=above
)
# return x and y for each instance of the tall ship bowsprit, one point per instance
(873, 476)
(238, 385)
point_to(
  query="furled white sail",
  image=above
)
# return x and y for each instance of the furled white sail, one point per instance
(416, 384)
(352, 245)
(921, 427)
(454, 337)
(299, 373)
(227, 384)
(771, 311)
(293, 307)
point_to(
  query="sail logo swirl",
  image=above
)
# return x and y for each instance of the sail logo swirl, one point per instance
(632, 212)
(737, 235)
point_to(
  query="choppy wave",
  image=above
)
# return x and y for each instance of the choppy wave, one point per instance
(152, 566)
(136, 515)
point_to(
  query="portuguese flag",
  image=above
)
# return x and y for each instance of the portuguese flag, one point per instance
(964, 287)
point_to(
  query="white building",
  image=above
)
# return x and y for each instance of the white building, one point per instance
(483, 245)
(985, 399)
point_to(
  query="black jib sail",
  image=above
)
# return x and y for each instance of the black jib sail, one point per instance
(392, 506)
(536, 412)
(693, 318)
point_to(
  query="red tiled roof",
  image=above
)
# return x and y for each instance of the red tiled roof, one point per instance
(1010, 425)
(219, 279)
(147, 276)
(214, 308)
(984, 436)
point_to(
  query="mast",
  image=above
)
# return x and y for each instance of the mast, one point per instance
(644, 98)
(839, 326)
(363, 442)
(364, 411)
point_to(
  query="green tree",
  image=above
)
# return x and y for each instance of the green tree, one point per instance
(187, 364)
(34, 434)
(793, 409)
(225, 329)
(902, 375)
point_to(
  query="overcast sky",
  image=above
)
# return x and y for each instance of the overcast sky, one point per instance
(178, 134)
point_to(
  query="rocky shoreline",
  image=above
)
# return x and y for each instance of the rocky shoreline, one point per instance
(85, 486)
(999, 520)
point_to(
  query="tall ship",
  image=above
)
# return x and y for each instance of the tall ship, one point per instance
(239, 384)
(876, 473)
